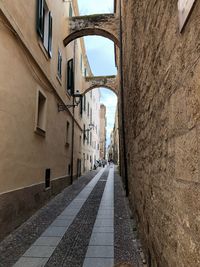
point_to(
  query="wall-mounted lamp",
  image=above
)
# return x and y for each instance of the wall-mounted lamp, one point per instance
(76, 101)
(90, 127)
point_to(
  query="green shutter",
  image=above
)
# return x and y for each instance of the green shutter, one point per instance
(70, 76)
(81, 106)
(59, 70)
(84, 106)
(39, 18)
(60, 65)
(70, 10)
(50, 35)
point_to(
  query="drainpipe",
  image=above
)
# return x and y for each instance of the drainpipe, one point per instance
(73, 108)
(122, 103)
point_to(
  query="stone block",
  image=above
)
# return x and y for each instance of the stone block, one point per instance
(187, 157)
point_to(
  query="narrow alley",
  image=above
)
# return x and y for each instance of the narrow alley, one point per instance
(88, 225)
(99, 133)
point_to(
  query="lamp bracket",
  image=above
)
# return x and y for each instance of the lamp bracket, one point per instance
(63, 107)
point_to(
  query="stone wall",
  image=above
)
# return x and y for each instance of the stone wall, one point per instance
(162, 102)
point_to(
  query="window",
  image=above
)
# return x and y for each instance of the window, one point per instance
(59, 68)
(44, 25)
(70, 10)
(91, 116)
(41, 113)
(84, 134)
(81, 106)
(88, 137)
(81, 62)
(85, 72)
(88, 110)
(80, 143)
(70, 76)
(84, 103)
(67, 133)
(91, 138)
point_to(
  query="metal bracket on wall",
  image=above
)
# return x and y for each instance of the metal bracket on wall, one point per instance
(63, 107)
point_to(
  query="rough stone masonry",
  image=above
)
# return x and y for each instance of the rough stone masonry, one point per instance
(162, 102)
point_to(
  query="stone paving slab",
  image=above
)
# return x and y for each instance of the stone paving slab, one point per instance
(14, 245)
(62, 223)
(103, 222)
(102, 239)
(72, 249)
(98, 262)
(104, 229)
(65, 218)
(101, 246)
(59, 231)
(47, 241)
(104, 216)
(39, 251)
(55, 231)
(100, 252)
(87, 237)
(31, 262)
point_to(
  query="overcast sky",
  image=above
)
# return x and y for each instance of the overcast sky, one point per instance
(100, 53)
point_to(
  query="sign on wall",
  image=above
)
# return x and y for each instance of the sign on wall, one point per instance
(184, 9)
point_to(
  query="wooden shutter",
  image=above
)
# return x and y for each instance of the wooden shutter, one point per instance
(39, 20)
(70, 10)
(59, 64)
(81, 106)
(50, 35)
(84, 106)
(70, 76)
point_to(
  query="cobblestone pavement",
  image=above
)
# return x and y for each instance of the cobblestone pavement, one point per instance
(72, 247)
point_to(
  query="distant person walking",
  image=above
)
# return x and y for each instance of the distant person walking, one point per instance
(104, 162)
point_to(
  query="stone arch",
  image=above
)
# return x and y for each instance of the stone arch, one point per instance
(104, 86)
(109, 82)
(106, 25)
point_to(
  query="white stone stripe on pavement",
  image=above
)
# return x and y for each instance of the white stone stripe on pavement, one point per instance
(101, 247)
(42, 249)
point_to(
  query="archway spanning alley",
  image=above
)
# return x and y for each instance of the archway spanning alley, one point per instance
(106, 25)
(109, 82)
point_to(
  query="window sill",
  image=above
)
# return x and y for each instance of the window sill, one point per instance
(40, 131)
(43, 50)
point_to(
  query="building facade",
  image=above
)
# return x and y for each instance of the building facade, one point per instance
(103, 124)
(41, 147)
(91, 126)
(113, 148)
(162, 115)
